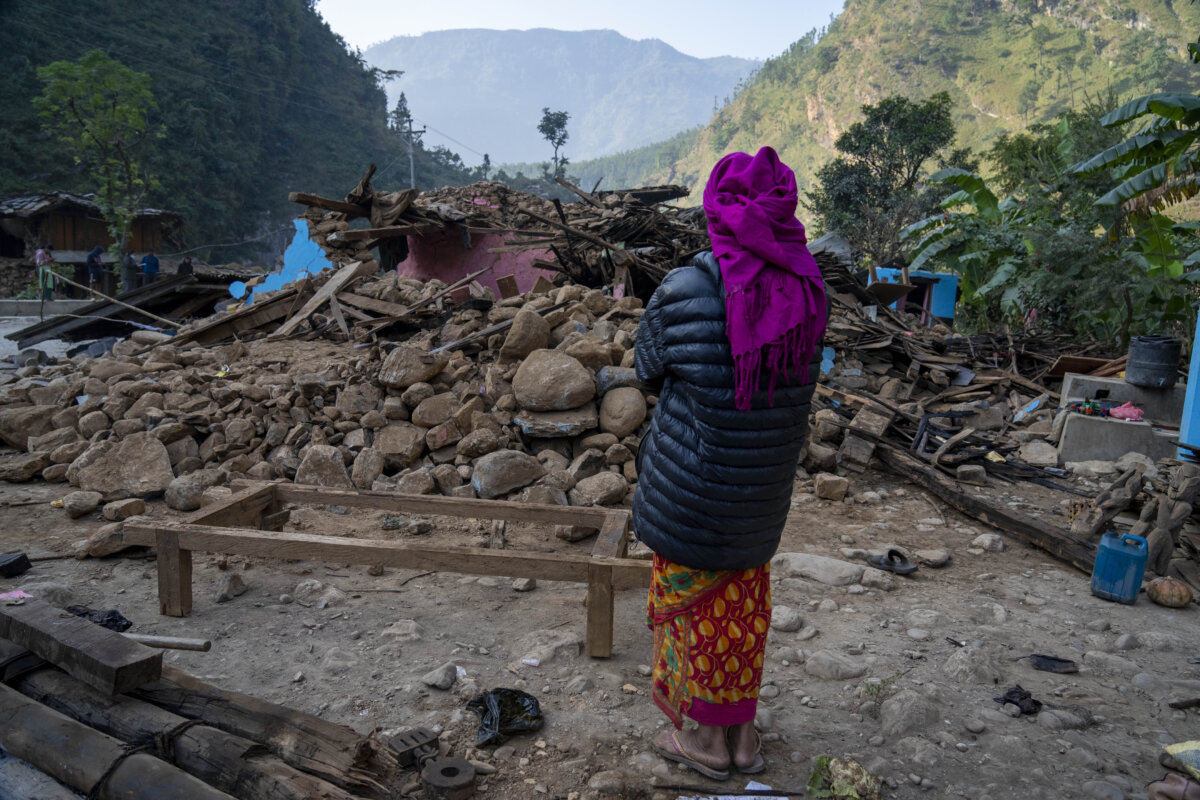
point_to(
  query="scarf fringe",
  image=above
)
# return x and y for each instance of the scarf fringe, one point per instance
(790, 355)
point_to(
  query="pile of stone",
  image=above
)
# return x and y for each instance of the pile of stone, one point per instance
(547, 411)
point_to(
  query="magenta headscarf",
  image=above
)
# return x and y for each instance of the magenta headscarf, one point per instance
(774, 296)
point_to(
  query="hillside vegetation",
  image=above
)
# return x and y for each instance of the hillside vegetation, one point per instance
(1005, 64)
(254, 101)
(487, 88)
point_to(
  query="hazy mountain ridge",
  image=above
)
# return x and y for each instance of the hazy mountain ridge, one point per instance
(487, 88)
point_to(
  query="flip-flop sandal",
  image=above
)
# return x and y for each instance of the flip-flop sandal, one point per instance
(680, 756)
(758, 765)
(894, 561)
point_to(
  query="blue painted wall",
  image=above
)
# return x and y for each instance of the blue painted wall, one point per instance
(945, 288)
(302, 258)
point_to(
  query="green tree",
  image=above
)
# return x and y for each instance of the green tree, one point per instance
(1027, 100)
(870, 191)
(1065, 64)
(1041, 37)
(553, 129)
(98, 109)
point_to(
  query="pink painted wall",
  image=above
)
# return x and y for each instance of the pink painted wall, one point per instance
(442, 256)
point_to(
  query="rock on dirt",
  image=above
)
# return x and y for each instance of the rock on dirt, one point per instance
(135, 466)
(77, 504)
(549, 380)
(323, 466)
(503, 471)
(822, 569)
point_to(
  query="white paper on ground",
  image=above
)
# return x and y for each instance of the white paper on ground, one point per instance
(752, 785)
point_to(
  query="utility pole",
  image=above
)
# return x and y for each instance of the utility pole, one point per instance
(412, 175)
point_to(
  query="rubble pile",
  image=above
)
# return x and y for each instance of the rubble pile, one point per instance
(547, 412)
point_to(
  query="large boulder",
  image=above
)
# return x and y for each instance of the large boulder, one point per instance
(478, 442)
(602, 489)
(78, 504)
(529, 332)
(185, 492)
(405, 366)
(135, 466)
(549, 380)
(24, 467)
(18, 424)
(323, 466)
(401, 444)
(621, 411)
(368, 465)
(433, 411)
(503, 471)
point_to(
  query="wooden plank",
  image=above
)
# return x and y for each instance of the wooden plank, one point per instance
(1043, 535)
(174, 574)
(385, 321)
(451, 506)
(330, 287)
(244, 507)
(351, 210)
(611, 541)
(245, 319)
(336, 311)
(101, 658)
(400, 555)
(390, 232)
(371, 304)
(1080, 364)
(630, 573)
(508, 286)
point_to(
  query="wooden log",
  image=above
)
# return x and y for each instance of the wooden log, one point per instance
(171, 642)
(1045, 536)
(327, 290)
(225, 761)
(1111, 501)
(20, 779)
(360, 764)
(252, 317)
(390, 232)
(80, 757)
(101, 658)
(351, 210)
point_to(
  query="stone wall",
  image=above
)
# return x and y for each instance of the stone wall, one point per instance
(15, 275)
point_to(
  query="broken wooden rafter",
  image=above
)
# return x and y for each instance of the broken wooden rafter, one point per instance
(351, 210)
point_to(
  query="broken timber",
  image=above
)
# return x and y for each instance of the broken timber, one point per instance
(1052, 539)
(101, 658)
(212, 529)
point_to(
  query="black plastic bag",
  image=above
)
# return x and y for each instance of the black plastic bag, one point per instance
(503, 712)
(111, 619)
(1022, 699)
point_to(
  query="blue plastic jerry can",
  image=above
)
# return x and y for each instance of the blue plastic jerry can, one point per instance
(1119, 568)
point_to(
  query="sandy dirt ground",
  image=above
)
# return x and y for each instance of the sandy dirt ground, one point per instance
(925, 659)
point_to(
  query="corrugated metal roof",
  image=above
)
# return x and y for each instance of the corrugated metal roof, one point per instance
(35, 204)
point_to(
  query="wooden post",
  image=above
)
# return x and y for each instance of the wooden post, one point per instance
(599, 611)
(610, 544)
(174, 575)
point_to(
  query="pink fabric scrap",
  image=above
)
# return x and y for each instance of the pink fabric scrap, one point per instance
(1128, 411)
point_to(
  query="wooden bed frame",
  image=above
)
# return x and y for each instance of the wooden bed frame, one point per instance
(250, 523)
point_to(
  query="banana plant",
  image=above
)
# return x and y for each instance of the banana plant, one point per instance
(977, 236)
(1159, 165)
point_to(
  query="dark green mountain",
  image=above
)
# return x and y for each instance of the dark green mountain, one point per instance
(254, 100)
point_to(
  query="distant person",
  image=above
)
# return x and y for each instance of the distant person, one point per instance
(95, 268)
(129, 273)
(185, 267)
(44, 260)
(149, 269)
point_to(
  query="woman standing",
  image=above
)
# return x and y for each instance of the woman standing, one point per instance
(730, 342)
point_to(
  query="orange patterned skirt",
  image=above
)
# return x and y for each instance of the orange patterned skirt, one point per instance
(710, 635)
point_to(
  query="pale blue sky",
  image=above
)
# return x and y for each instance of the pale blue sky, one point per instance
(747, 28)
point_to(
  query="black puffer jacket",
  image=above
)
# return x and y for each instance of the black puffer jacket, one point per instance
(714, 483)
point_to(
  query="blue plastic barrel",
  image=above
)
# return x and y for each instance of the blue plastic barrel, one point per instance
(1120, 565)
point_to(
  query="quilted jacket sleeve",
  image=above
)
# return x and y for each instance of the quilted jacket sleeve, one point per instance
(650, 350)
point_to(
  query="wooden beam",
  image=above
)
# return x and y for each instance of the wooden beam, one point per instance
(1041, 534)
(390, 232)
(244, 507)
(599, 611)
(327, 290)
(249, 318)
(371, 304)
(101, 658)
(351, 210)
(451, 506)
